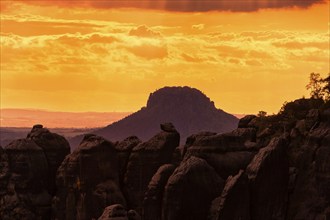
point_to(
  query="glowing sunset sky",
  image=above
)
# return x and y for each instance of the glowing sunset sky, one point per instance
(105, 56)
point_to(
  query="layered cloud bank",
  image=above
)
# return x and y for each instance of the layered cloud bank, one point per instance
(70, 58)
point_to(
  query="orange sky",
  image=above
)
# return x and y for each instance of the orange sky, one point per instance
(61, 56)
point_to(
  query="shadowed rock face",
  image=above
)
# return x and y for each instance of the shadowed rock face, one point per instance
(152, 204)
(268, 174)
(234, 202)
(28, 165)
(55, 148)
(144, 161)
(307, 131)
(124, 149)
(245, 121)
(27, 174)
(4, 171)
(118, 212)
(227, 153)
(114, 212)
(26, 182)
(190, 190)
(310, 195)
(88, 180)
(261, 191)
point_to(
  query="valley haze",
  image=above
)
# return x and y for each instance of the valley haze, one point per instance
(55, 119)
(25, 118)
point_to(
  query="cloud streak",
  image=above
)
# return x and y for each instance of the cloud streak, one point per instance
(184, 5)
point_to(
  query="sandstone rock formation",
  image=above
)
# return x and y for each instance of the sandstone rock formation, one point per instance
(124, 149)
(310, 155)
(190, 190)
(152, 204)
(227, 153)
(270, 167)
(54, 146)
(114, 212)
(4, 171)
(88, 180)
(27, 174)
(143, 163)
(118, 212)
(234, 202)
(268, 174)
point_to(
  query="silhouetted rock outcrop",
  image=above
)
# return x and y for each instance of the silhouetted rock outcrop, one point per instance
(152, 204)
(88, 180)
(118, 212)
(55, 147)
(144, 161)
(310, 154)
(4, 171)
(27, 174)
(227, 153)
(124, 149)
(244, 122)
(271, 167)
(234, 202)
(306, 124)
(25, 181)
(268, 174)
(187, 108)
(190, 190)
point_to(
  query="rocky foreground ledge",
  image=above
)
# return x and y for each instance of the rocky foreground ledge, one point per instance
(273, 167)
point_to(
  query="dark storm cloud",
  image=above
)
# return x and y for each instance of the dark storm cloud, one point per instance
(235, 5)
(189, 5)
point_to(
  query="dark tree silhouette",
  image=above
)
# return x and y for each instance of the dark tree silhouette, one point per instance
(326, 88)
(315, 86)
(262, 114)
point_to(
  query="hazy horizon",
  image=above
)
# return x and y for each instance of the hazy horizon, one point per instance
(54, 119)
(26, 118)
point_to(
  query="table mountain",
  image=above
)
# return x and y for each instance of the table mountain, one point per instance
(189, 109)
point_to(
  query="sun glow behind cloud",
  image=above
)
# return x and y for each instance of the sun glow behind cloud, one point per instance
(70, 58)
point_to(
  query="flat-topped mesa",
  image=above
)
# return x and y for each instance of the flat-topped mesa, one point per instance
(175, 96)
(189, 109)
